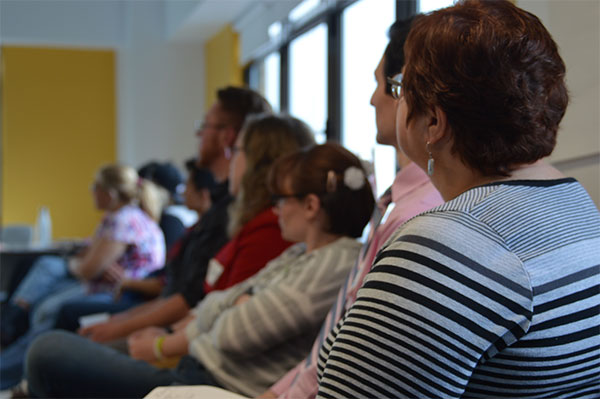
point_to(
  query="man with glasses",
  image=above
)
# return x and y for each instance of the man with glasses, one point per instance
(217, 135)
(410, 194)
(221, 125)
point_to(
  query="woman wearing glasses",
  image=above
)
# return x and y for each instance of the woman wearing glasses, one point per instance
(495, 293)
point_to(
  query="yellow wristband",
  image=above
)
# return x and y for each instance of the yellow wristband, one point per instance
(158, 344)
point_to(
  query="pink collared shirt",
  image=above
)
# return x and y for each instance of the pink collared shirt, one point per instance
(412, 193)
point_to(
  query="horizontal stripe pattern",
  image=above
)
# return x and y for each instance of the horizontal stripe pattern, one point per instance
(495, 293)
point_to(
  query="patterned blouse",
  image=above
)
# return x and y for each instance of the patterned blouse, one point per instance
(145, 241)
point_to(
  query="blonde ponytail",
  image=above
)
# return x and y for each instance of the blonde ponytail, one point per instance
(131, 189)
(151, 199)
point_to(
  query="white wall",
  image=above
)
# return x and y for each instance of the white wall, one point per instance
(160, 95)
(177, 13)
(91, 23)
(575, 26)
(253, 26)
(160, 90)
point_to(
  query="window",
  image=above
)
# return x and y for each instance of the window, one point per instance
(365, 24)
(303, 9)
(308, 79)
(331, 91)
(271, 80)
(264, 77)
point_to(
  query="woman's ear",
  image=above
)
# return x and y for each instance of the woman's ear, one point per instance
(312, 206)
(113, 197)
(437, 127)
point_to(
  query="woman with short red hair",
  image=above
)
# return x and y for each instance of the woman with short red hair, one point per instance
(495, 293)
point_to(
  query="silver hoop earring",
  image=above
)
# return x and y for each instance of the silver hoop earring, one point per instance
(430, 161)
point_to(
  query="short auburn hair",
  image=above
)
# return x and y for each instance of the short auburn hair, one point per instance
(495, 71)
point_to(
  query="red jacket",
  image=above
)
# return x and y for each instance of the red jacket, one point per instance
(246, 253)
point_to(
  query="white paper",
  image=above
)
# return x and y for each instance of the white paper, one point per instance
(91, 319)
(193, 392)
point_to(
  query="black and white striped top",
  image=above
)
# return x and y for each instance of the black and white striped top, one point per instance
(495, 293)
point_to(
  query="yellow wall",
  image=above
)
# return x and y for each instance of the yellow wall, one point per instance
(222, 54)
(58, 127)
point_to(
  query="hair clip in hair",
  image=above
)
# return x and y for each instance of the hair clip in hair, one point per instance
(331, 181)
(354, 178)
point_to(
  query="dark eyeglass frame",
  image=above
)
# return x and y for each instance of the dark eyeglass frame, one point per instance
(235, 149)
(395, 83)
(96, 186)
(201, 125)
(277, 198)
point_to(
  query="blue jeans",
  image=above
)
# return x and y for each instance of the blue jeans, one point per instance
(64, 365)
(47, 287)
(49, 274)
(43, 318)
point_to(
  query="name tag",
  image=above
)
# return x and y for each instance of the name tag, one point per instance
(215, 269)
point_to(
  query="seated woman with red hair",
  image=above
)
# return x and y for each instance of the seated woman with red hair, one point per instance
(495, 293)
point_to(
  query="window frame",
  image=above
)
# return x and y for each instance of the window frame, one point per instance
(332, 17)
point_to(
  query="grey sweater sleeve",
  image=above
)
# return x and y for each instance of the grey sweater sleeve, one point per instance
(211, 307)
(297, 296)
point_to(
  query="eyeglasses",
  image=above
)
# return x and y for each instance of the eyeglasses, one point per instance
(235, 149)
(201, 125)
(277, 199)
(95, 186)
(395, 85)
